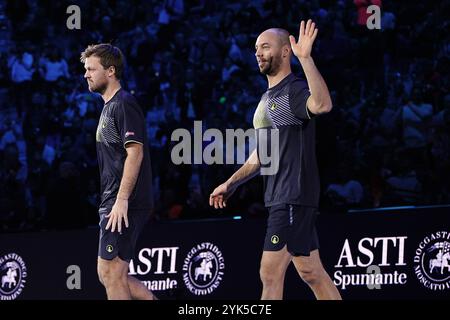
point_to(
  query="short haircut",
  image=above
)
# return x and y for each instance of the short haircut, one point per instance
(109, 56)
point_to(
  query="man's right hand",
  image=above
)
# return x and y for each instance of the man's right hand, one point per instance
(219, 197)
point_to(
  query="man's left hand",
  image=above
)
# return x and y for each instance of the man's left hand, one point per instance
(119, 211)
(302, 48)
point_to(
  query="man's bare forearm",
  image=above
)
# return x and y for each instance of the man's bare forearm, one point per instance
(130, 171)
(248, 170)
(317, 85)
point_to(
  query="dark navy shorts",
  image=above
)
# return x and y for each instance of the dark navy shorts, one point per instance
(113, 244)
(294, 226)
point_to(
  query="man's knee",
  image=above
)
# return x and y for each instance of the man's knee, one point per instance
(311, 274)
(111, 272)
(270, 275)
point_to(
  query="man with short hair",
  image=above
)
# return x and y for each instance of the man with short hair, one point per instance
(125, 172)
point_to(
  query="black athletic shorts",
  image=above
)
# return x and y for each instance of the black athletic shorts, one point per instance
(294, 226)
(113, 244)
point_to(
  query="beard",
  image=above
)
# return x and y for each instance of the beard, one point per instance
(98, 87)
(271, 66)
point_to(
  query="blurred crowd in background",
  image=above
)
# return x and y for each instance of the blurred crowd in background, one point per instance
(385, 143)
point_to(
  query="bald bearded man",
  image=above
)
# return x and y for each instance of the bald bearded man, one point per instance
(289, 106)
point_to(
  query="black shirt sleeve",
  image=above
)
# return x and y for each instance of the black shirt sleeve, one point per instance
(298, 94)
(130, 122)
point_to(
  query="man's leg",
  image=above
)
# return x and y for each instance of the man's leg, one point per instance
(138, 290)
(113, 274)
(312, 272)
(138, 220)
(272, 272)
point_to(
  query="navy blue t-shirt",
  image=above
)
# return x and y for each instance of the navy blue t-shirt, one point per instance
(283, 108)
(122, 122)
